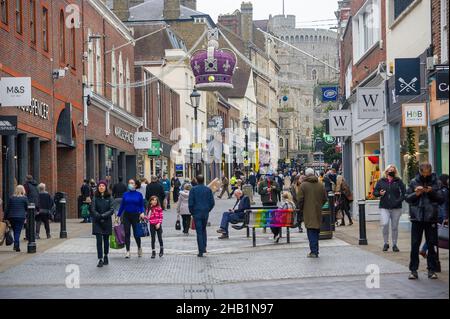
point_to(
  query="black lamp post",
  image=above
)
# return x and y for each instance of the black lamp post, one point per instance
(195, 102)
(246, 126)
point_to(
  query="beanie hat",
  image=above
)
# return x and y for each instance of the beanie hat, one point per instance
(102, 182)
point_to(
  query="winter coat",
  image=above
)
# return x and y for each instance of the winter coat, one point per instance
(201, 201)
(252, 180)
(395, 193)
(424, 208)
(166, 185)
(330, 181)
(101, 210)
(85, 191)
(155, 215)
(45, 203)
(119, 189)
(265, 196)
(311, 197)
(183, 203)
(155, 189)
(32, 192)
(176, 184)
(17, 207)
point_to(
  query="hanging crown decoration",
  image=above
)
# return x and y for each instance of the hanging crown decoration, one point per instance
(213, 68)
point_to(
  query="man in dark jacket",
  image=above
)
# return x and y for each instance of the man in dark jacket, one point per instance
(31, 190)
(176, 184)
(155, 189)
(424, 198)
(201, 202)
(330, 180)
(269, 189)
(235, 214)
(252, 181)
(119, 189)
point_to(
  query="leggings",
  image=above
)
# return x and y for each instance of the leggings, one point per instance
(186, 223)
(131, 220)
(153, 232)
(102, 242)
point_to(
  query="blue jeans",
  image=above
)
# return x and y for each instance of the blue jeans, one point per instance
(313, 237)
(200, 228)
(228, 217)
(17, 225)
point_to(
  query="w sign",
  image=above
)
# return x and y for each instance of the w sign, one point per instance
(370, 103)
(340, 123)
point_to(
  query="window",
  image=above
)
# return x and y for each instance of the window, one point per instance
(366, 28)
(73, 39)
(281, 142)
(4, 11)
(306, 38)
(444, 31)
(121, 95)
(314, 75)
(296, 38)
(348, 81)
(45, 29)
(18, 15)
(307, 119)
(128, 90)
(62, 39)
(98, 67)
(90, 62)
(113, 78)
(302, 38)
(33, 21)
(400, 6)
(146, 100)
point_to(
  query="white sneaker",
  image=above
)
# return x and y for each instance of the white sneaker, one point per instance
(140, 252)
(127, 254)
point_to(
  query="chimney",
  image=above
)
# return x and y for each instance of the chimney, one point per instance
(191, 4)
(121, 8)
(247, 21)
(171, 9)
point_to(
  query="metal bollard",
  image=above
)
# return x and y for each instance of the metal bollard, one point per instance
(31, 229)
(331, 202)
(362, 222)
(63, 232)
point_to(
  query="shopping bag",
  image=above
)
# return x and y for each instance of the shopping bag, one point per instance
(3, 228)
(9, 240)
(443, 236)
(192, 224)
(142, 230)
(178, 224)
(85, 211)
(119, 233)
(113, 242)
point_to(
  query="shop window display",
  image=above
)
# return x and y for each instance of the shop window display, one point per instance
(371, 168)
(421, 146)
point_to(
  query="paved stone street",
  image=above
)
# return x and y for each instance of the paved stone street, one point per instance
(232, 269)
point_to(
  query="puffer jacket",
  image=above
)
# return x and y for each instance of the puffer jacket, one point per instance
(395, 193)
(424, 208)
(183, 203)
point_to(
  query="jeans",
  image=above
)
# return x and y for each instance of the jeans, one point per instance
(17, 225)
(153, 232)
(102, 242)
(42, 218)
(313, 237)
(417, 230)
(392, 215)
(200, 228)
(131, 220)
(186, 223)
(228, 217)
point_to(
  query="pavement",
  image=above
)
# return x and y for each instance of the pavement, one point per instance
(232, 269)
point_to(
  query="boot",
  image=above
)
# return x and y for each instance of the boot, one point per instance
(161, 252)
(105, 260)
(100, 263)
(153, 254)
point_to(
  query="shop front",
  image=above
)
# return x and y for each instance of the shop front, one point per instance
(159, 159)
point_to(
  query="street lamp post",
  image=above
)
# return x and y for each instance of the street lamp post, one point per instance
(246, 126)
(195, 102)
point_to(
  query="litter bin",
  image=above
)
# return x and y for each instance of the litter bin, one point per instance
(327, 225)
(58, 211)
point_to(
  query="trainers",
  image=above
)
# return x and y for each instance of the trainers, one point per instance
(49, 236)
(127, 255)
(161, 252)
(224, 236)
(312, 255)
(432, 275)
(413, 275)
(200, 255)
(385, 247)
(105, 260)
(140, 252)
(395, 249)
(153, 254)
(221, 231)
(100, 263)
(17, 249)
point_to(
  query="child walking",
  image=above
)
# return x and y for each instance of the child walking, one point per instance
(155, 218)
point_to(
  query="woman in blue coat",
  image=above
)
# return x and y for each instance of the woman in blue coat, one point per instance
(16, 213)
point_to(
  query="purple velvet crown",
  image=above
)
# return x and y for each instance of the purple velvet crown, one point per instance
(213, 68)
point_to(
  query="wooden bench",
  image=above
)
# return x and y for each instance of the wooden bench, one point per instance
(265, 217)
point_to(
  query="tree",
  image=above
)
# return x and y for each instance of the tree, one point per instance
(329, 150)
(413, 164)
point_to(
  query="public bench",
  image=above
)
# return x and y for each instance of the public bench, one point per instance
(264, 217)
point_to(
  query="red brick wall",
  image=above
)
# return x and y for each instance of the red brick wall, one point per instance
(346, 51)
(436, 26)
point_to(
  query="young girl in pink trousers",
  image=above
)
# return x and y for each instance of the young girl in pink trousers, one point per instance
(155, 218)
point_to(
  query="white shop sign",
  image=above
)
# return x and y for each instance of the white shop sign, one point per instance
(340, 123)
(370, 103)
(143, 140)
(15, 91)
(414, 114)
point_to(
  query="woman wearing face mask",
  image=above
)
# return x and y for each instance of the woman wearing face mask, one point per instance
(392, 192)
(132, 208)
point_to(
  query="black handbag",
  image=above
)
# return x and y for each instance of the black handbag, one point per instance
(9, 240)
(178, 225)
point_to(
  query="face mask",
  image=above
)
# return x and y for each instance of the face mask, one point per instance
(391, 174)
(131, 187)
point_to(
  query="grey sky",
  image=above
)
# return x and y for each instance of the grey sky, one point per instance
(304, 10)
